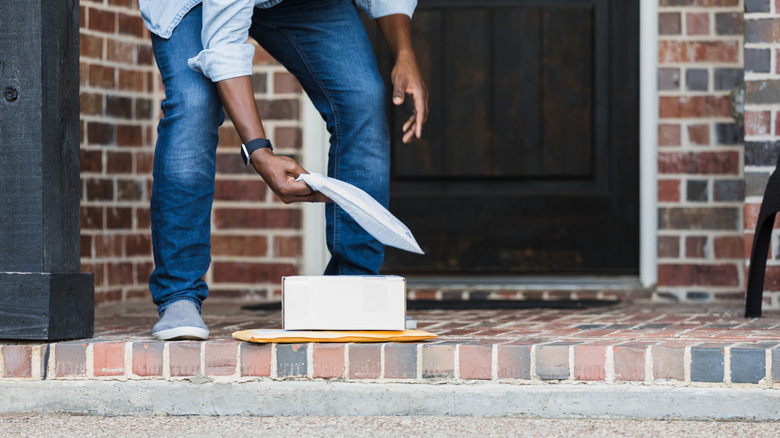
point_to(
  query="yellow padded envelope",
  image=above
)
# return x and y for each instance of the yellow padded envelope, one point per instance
(303, 336)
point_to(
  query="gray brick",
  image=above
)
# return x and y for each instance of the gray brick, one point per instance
(760, 31)
(729, 133)
(776, 365)
(669, 23)
(438, 361)
(764, 91)
(668, 78)
(729, 190)
(748, 365)
(752, 6)
(552, 362)
(755, 183)
(699, 218)
(757, 60)
(696, 79)
(728, 78)
(762, 153)
(514, 362)
(696, 191)
(400, 361)
(707, 364)
(728, 23)
(697, 296)
(291, 360)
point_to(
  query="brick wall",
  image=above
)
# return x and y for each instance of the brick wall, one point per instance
(119, 108)
(256, 238)
(762, 124)
(701, 184)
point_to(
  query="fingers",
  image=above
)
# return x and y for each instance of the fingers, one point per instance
(398, 93)
(420, 110)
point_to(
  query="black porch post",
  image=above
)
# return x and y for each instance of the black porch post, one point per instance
(43, 296)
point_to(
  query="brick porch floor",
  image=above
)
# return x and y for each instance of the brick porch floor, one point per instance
(633, 341)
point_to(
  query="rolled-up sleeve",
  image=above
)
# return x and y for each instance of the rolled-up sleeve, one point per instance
(381, 8)
(226, 53)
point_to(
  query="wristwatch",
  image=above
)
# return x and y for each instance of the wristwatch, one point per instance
(249, 147)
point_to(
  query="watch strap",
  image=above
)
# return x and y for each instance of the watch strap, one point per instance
(251, 146)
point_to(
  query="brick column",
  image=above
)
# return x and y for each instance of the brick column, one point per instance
(762, 124)
(700, 186)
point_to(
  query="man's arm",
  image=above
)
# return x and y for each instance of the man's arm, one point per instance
(406, 78)
(278, 172)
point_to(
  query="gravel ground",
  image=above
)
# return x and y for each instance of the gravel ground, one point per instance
(233, 427)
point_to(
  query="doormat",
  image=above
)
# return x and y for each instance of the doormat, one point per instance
(477, 304)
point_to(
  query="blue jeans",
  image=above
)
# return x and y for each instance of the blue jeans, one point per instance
(323, 43)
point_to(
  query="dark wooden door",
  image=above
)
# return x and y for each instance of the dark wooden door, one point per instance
(529, 161)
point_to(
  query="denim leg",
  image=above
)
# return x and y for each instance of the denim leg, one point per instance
(324, 44)
(184, 169)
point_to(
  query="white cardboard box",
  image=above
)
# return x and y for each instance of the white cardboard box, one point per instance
(343, 302)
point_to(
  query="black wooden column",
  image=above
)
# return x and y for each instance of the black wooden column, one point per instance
(43, 295)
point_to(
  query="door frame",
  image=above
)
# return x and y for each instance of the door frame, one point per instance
(315, 147)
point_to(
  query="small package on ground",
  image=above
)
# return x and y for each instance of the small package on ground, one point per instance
(344, 302)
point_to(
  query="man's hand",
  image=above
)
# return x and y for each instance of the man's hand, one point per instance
(280, 174)
(406, 77)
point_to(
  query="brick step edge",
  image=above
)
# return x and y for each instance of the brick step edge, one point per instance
(533, 363)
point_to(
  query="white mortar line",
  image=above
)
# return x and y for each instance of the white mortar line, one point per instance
(687, 364)
(166, 371)
(128, 360)
(456, 364)
(310, 360)
(35, 366)
(90, 359)
(273, 373)
(609, 364)
(494, 362)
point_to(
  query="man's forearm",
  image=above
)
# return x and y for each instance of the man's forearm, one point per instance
(397, 31)
(239, 100)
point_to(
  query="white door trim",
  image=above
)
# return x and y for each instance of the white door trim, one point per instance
(648, 142)
(315, 148)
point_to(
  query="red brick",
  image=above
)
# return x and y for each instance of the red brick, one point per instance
(107, 245)
(629, 363)
(17, 360)
(239, 246)
(91, 160)
(228, 137)
(99, 189)
(699, 135)
(288, 137)
(102, 21)
(772, 278)
(185, 358)
(131, 80)
(670, 51)
(85, 246)
(142, 218)
(221, 358)
(669, 190)
(286, 83)
(696, 247)
(758, 122)
(100, 133)
(90, 46)
(668, 363)
(148, 359)
(668, 135)
(589, 362)
(144, 162)
(475, 361)
(102, 76)
(70, 360)
(131, 25)
(699, 162)
(109, 358)
(669, 246)
(240, 190)
(129, 135)
(237, 272)
(671, 107)
(138, 245)
(119, 273)
(91, 104)
(284, 109)
(255, 360)
(669, 23)
(120, 51)
(365, 361)
(697, 23)
(729, 247)
(142, 273)
(269, 218)
(697, 275)
(119, 218)
(287, 246)
(328, 361)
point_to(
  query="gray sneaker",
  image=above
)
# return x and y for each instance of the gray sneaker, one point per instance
(180, 320)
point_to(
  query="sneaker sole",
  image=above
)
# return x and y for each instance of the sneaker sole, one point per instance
(193, 333)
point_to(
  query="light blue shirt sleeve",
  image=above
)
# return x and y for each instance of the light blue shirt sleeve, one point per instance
(380, 8)
(226, 53)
